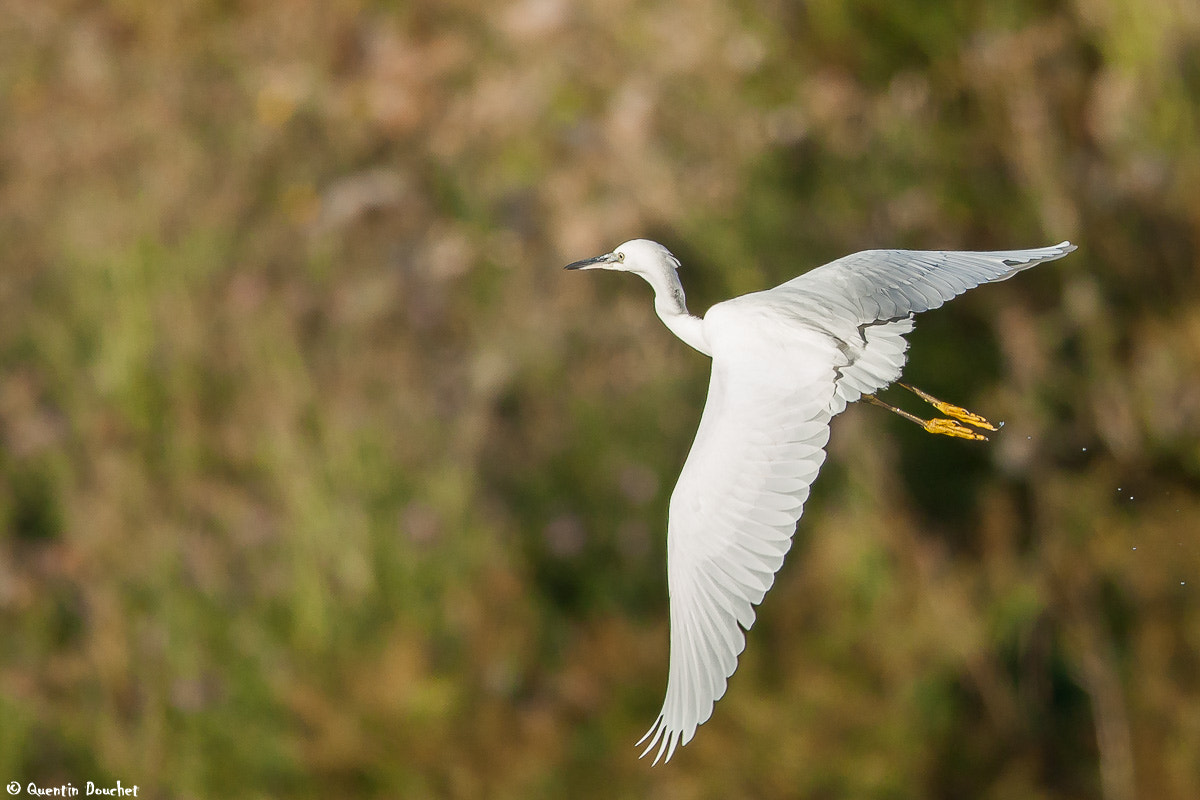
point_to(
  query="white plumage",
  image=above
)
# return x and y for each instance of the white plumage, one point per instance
(785, 361)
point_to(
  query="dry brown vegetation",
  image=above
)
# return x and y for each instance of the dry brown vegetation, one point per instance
(319, 478)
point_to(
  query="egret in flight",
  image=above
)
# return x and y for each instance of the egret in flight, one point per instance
(784, 362)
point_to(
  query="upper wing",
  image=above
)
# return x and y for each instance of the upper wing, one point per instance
(890, 284)
(866, 301)
(739, 496)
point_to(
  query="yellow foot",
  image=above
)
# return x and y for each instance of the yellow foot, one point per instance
(945, 427)
(969, 417)
(948, 427)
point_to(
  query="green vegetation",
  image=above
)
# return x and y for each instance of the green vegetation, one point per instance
(319, 478)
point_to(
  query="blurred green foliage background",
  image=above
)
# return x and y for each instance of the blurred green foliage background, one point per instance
(319, 477)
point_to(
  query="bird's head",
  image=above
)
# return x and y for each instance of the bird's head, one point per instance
(640, 256)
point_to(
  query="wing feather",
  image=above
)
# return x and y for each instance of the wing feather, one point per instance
(881, 290)
(733, 513)
(889, 284)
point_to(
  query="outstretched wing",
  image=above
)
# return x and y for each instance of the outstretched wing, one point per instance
(890, 284)
(742, 489)
(866, 300)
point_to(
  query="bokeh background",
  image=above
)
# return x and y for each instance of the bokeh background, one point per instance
(320, 478)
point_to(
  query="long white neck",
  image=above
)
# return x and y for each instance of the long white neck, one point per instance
(671, 307)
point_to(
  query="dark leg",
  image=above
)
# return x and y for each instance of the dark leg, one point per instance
(951, 410)
(945, 427)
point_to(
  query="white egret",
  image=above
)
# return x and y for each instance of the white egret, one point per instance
(785, 361)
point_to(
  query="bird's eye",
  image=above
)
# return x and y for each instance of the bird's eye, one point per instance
(621, 257)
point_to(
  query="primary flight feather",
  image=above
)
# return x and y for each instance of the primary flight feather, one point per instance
(785, 361)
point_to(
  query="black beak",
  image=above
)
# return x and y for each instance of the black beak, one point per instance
(607, 258)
